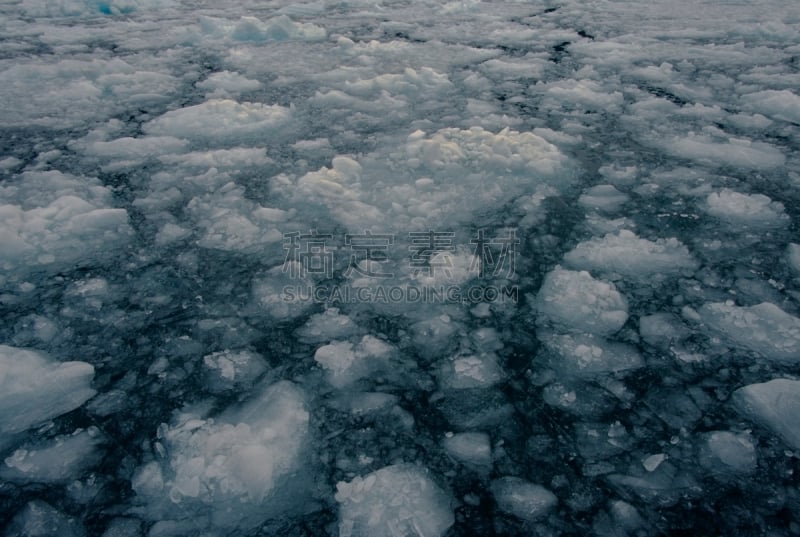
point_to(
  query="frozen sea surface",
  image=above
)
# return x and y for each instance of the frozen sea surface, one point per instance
(389, 268)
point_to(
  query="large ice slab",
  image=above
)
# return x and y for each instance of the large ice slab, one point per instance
(35, 388)
(763, 328)
(393, 501)
(775, 405)
(575, 300)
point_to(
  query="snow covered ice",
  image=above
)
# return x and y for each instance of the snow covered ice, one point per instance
(377, 268)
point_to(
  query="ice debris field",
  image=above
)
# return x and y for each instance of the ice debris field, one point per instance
(377, 268)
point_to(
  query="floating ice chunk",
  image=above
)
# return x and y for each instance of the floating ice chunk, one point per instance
(664, 486)
(72, 8)
(228, 221)
(34, 388)
(40, 519)
(736, 152)
(605, 198)
(134, 148)
(229, 82)
(662, 329)
(724, 452)
(253, 30)
(123, 527)
(222, 160)
(338, 188)
(588, 93)
(474, 449)
(363, 403)
(625, 516)
(586, 355)
(777, 104)
(652, 462)
(222, 120)
(752, 210)
(232, 472)
(393, 501)
(9, 163)
(473, 371)
(345, 363)
(763, 328)
(577, 301)
(59, 220)
(477, 408)
(67, 232)
(411, 84)
(280, 295)
(528, 67)
(229, 370)
(632, 257)
(523, 499)
(57, 461)
(434, 335)
(327, 326)
(597, 441)
(775, 405)
(461, 6)
(69, 93)
(662, 73)
(171, 233)
(793, 257)
(433, 179)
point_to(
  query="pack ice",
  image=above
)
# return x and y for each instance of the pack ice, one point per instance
(161, 373)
